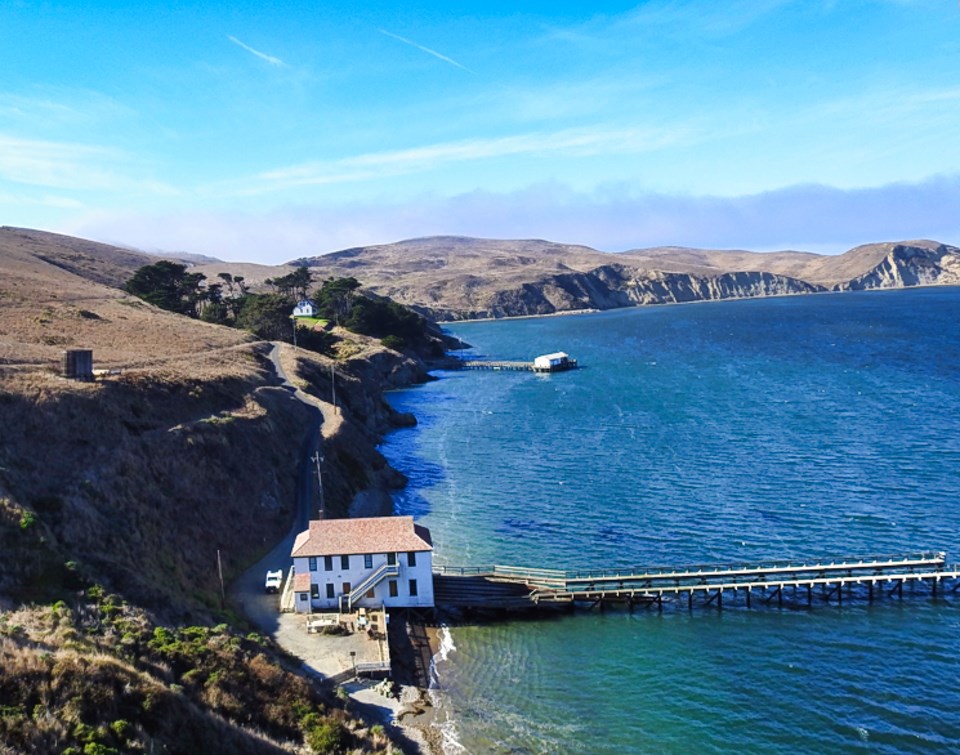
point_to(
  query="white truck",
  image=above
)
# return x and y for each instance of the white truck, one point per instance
(273, 581)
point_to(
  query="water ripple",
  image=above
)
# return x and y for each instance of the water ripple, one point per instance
(733, 432)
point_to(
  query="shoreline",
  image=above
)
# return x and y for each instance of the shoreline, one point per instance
(595, 310)
(414, 644)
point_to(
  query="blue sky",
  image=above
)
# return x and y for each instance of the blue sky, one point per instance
(268, 131)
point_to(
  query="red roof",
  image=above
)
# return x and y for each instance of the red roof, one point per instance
(301, 582)
(341, 537)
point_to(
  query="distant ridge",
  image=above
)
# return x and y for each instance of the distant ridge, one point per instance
(457, 277)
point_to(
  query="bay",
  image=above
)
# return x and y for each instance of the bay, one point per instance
(798, 427)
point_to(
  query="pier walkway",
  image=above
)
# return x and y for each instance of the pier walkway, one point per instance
(482, 364)
(479, 364)
(796, 582)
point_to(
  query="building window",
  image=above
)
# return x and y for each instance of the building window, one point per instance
(313, 563)
(392, 559)
(330, 590)
(303, 596)
(412, 558)
(314, 591)
(370, 593)
(344, 562)
(328, 563)
(413, 587)
(368, 561)
(393, 588)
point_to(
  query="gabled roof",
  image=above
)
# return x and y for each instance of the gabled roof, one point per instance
(341, 537)
(301, 582)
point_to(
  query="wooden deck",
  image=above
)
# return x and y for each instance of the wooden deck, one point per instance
(512, 588)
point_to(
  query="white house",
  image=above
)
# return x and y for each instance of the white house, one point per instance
(341, 564)
(305, 308)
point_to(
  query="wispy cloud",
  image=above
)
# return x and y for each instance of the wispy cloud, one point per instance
(43, 200)
(692, 16)
(427, 50)
(65, 165)
(567, 142)
(262, 55)
(47, 107)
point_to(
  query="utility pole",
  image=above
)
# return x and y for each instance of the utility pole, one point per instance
(223, 593)
(317, 458)
(333, 388)
(294, 321)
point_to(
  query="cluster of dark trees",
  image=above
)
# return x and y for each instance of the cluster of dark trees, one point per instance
(228, 301)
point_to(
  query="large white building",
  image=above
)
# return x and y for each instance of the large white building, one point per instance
(340, 564)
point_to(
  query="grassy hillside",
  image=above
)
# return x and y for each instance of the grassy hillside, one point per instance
(115, 497)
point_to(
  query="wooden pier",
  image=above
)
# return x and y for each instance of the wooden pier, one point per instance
(557, 362)
(792, 582)
(480, 364)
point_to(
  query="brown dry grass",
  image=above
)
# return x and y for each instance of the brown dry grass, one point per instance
(99, 673)
(46, 308)
(134, 482)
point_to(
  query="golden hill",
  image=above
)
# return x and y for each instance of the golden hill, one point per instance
(116, 495)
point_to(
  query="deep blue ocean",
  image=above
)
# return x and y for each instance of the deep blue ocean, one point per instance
(813, 426)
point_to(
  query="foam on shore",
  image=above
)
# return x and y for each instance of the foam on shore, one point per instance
(443, 721)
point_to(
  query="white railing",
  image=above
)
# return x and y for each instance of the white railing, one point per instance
(373, 579)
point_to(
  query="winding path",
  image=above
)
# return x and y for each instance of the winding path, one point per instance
(247, 590)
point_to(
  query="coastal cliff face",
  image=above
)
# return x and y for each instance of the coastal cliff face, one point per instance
(910, 265)
(662, 288)
(612, 286)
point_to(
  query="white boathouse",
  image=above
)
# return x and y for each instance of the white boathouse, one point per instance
(555, 362)
(342, 564)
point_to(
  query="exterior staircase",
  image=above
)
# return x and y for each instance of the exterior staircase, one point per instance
(374, 578)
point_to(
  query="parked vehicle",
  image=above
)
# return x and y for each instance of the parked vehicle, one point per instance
(273, 581)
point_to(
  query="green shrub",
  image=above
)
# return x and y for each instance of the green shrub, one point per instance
(84, 732)
(394, 342)
(95, 748)
(121, 729)
(326, 737)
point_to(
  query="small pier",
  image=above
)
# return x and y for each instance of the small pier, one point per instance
(557, 362)
(796, 583)
(480, 364)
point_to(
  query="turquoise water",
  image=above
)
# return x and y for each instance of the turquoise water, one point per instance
(724, 432)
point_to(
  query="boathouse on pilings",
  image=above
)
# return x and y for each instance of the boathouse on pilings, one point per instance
(555, 362)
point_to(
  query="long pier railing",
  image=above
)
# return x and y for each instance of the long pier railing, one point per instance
(863, 576)
(484, 364)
